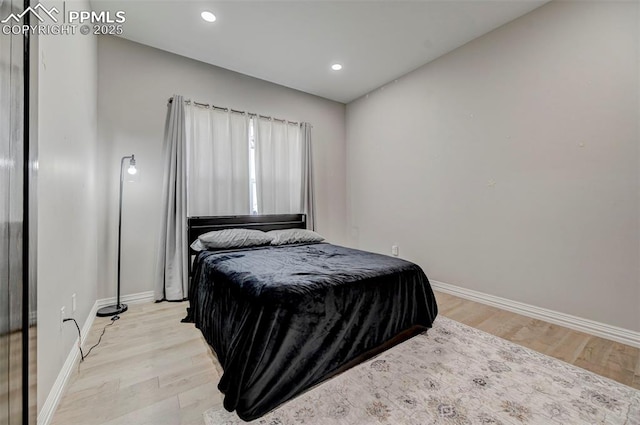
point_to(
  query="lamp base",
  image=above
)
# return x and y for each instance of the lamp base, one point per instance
(112, 310)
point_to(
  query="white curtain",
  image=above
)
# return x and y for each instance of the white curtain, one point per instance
(171, 265)
(278, 167)
(218, 152)
(284, 178)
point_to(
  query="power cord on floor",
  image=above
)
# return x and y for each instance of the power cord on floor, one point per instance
(82, 355)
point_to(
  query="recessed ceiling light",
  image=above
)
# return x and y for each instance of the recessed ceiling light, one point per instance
(208, 16)
(336, 67)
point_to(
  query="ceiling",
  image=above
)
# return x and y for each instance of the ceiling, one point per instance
(294, 43)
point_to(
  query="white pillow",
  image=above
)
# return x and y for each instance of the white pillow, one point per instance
(234, 238)
(197, 246)
(290, 236)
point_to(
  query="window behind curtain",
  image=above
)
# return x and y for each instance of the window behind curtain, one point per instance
(242, 165)
(253, 191)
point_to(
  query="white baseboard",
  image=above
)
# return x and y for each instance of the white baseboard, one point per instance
(53, 399)
(624, 336)
(140, 297)
(51, 403)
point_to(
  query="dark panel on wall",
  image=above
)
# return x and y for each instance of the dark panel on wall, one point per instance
(15, 314)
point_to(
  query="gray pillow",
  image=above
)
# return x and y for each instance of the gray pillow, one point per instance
(291, 236)
(234, 238)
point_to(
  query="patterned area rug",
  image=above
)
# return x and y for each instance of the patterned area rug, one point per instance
(455, 374)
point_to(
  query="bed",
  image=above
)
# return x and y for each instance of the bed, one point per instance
(282, 319)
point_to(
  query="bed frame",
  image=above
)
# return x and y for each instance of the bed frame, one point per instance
(199, 225)
(232, 321)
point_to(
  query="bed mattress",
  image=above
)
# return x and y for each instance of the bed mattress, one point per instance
(282, 319)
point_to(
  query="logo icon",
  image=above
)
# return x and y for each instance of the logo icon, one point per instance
(36, 11)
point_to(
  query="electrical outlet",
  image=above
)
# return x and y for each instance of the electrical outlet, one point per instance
(394, 250)
(61, 317)
(73, 303)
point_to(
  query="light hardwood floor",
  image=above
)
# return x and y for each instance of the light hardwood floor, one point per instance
(148, 369)
(152, 369)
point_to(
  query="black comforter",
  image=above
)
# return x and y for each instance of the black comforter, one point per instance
(282, 319)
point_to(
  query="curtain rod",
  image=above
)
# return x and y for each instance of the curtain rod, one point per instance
(251, 114)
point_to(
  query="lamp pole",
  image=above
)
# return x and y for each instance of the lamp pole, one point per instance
(118, 308)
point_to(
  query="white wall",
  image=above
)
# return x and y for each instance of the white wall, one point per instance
(510, 166)
(134, 83)
(67, 193)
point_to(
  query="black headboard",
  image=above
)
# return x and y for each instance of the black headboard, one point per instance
(196, 226)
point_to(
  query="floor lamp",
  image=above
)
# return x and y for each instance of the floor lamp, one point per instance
(118, 308)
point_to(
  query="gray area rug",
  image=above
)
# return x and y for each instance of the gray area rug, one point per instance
(455, 374)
